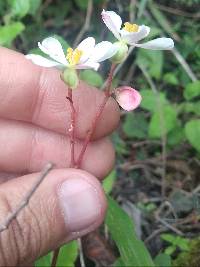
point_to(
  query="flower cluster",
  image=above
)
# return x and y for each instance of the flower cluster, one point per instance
(88, 54)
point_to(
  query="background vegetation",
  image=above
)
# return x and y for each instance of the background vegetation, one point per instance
(156, 177)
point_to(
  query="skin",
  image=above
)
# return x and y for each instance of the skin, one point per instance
(34, 118)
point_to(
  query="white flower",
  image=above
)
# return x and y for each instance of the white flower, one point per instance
(87, 55)
(132, 33)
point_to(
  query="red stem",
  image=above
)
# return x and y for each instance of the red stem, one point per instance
(88, 138)
(95, 121)
(72, 127)
(72, 146)
(108, 91)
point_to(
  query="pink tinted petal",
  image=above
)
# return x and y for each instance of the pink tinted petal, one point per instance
(128, 98)
(113, 22)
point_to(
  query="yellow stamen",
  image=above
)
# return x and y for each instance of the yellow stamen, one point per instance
(73, 56)
(131, 27)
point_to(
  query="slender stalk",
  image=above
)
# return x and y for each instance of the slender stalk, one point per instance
(88, 138)
(108, 91)
(26, 199)
(95, 121)
(72, 127)
(81, 255)
(71, 131)
(55, 257)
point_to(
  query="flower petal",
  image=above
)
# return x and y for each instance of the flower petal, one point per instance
(53, 48)
(128, 98)
(86, 46)
(42, 61)
(113, 22)
(134, 37)
(88, 65)
(158, 44)
(103, 51)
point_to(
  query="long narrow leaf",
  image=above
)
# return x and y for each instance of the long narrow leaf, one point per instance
(132, 250)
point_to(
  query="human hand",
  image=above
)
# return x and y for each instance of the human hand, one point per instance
(34, 118)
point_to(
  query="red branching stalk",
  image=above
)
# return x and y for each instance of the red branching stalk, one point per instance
(72, 127)
(88, 138)
(95, 121)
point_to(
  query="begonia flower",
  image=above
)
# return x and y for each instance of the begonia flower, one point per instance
(87, 55)
(131, 34)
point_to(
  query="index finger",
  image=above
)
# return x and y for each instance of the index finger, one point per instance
(34, 94)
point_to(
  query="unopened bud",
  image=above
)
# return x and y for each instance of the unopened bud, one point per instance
(70, 77)
(122, 50)
(128, 98)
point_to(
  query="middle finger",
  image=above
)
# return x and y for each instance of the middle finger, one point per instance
(26, 148)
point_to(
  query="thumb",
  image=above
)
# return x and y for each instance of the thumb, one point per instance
(68, 204)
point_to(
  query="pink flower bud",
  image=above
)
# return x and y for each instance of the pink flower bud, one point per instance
(128, 98)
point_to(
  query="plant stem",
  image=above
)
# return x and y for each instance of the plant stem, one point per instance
(26, 199)
(72, 127)
(108, 93)
(71, 131)
(95, 121)
(55, 257)
(81, 255)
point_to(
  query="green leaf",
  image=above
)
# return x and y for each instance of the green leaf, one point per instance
(92, 78)
(109, 182)
(9, 32)
(44, 261)
(82, 4)
(162, 121)
(190, 107)
(170, 250)
(66, 258)
(19, 8)
(192, 132)
(132, 250)
(34, 5)
(182, 243)
(170, 78)
(118, 263)
(150, 100)
(152, 61)
(162, 260)
(146, 208)
(135, 125)
(58, 11)
(176, 136)
(68, 254)
(192, 90)
(168, 237)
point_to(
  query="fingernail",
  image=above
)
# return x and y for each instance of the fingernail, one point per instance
(80, 204)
